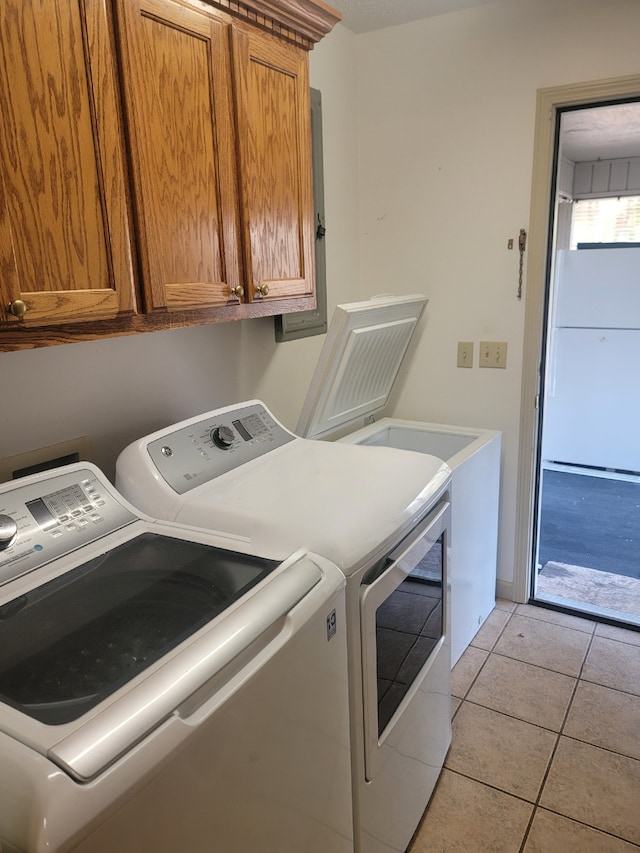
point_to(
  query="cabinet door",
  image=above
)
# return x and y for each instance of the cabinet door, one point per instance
(274, 143)
(65, 250)
(178, 99)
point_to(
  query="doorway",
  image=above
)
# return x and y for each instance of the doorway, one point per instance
(588, 520)
(579, 524)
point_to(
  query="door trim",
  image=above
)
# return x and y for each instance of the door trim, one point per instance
(548, 102)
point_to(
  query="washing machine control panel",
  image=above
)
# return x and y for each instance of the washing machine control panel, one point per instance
(43, 520)
(217, 443)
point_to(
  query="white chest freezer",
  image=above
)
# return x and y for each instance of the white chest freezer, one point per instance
(358, 366)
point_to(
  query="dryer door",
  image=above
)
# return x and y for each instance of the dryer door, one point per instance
(403, 625)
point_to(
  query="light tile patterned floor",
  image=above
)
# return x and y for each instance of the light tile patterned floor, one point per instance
(545, 756)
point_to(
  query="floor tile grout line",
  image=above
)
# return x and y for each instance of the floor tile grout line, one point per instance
(500, 632)
(609, 687)
(492, 787)
(547, 771)
(631, 627)
(577, 679)
(528, 827)
(510, 716)
(473, 680)
(575, 688)
(545, 668)
(603, 748)
(634, 631)
(586, 655)
(554, 751)
(589, 826)
(616, 640)
(509, 657)
(591, 636)
(560, 732)
(557, 624)
(535, 804)
(536, 665)
(489, 653)
(557, 735)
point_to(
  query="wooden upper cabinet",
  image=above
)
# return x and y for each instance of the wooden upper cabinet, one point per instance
(155, 164)
(177, 84)
(273, 115)
(65, 242)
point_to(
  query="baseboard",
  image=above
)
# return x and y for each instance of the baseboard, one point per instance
(504, 590)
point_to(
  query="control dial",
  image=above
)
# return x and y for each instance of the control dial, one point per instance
(222, 437)
(8, 531)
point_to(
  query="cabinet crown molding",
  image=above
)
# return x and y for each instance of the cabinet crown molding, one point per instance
(304, 22)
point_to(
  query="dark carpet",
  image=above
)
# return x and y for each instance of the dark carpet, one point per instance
(590, 521)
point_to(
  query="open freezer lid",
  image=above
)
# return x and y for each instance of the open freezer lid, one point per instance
(360, 360)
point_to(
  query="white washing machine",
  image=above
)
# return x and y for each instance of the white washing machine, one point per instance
(164, 689)
(382, 516)
(362, 356)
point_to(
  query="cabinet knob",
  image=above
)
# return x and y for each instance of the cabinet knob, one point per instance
(18, 308)
(238, 291)
(262, 289)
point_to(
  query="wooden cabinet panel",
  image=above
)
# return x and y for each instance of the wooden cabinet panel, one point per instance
(207, 172)
(274, 143)
(178, 97)
(65, 246)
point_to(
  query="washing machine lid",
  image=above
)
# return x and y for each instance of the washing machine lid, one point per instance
(360, 360)
(110, 621)
(69, 644)
(103, 654)
(278, 491)
(349, 503)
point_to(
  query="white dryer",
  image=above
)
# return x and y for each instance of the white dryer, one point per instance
(362, 356)
(382, 516)
(163, 688)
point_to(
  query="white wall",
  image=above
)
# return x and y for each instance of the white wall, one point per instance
(447, 110)
(115, 390)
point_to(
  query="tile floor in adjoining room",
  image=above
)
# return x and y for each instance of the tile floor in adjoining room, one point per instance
(545, 756)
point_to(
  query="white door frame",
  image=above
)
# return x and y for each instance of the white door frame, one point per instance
(549, 101)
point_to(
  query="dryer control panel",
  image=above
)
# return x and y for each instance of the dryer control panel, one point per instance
(215, 444)
(45, 519)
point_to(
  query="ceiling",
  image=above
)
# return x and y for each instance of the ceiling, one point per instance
(601, 133)
(604, 133)
(362, 16)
